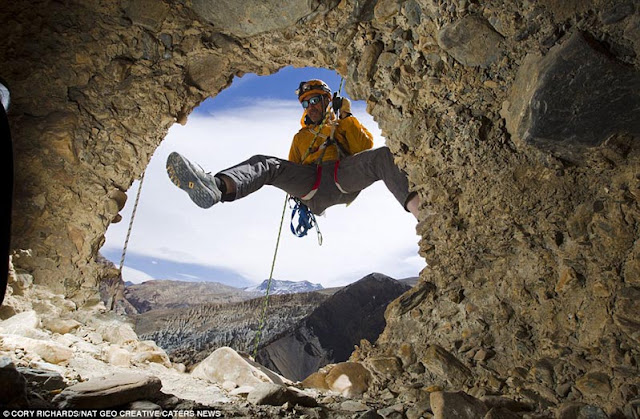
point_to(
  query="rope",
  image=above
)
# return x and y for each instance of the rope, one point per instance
(265, 303)
(133, 215)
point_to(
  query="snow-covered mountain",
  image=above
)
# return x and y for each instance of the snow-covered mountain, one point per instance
(284, 287)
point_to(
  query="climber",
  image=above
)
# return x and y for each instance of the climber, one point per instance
(330, 162)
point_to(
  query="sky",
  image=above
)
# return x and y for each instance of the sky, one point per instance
(234, 242)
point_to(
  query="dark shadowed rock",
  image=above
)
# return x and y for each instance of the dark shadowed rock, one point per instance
(41, 379)
(577, 96)
(13, 386)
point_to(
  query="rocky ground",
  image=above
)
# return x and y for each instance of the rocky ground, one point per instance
(54, 355)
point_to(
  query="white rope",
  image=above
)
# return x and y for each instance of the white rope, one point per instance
(133, 215)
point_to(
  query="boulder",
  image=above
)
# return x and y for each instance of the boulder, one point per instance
(347, 378)
(147, 13)
(117, 356)
(471, 41)
(225, 364)
(61, 326)
(117, 332)
(109, 391)
(460, 405)
(387, 365)
(47, 350)
(277, 395)
(580, 411)
(446, 366)
(23, 324)
(594, 384)
(247, 18)
(43, 379)
(574, 98)
(148, 351)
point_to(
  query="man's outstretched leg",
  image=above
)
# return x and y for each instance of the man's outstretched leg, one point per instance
(203, 188)
(240, 180)
(359, 171)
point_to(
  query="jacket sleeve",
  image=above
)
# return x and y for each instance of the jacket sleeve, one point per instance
(357, 136)
(294, 151)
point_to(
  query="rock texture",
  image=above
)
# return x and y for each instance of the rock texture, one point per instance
(530, 232)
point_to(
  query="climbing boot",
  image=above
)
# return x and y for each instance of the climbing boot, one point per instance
(200, 186)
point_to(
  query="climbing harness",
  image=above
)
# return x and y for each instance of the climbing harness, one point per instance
(306, 219)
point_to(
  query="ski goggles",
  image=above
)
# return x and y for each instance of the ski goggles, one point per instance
(311, 101)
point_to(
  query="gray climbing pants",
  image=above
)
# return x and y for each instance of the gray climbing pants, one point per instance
(336, 182)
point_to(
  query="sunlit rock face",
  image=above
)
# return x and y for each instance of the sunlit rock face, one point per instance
(516, 121)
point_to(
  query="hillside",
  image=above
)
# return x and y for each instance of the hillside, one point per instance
(330, 332)
(191, 334)
(302, 331)
(165, 294)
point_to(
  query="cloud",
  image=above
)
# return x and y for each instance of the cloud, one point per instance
(135, 276)
(374, 234)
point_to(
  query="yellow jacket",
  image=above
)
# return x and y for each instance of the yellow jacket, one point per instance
(352, 136)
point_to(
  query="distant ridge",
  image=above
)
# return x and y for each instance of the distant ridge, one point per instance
(163, 294)
(285, 287)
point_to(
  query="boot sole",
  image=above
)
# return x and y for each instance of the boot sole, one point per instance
(183, 177)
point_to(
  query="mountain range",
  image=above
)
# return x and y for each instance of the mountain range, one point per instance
(190, 320)
(330, 332)
(284, 287)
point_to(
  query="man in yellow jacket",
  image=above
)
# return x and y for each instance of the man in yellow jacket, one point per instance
(330, 162)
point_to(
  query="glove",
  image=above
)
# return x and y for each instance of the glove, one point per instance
(345, 108)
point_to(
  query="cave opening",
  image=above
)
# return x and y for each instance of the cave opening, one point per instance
(233, 243)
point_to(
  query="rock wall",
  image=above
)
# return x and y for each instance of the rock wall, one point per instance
(516, 122)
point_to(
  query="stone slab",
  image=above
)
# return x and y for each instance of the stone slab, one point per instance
(573, 98)
(108, 391)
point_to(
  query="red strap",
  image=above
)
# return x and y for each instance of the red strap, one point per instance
(335, 171)
(315, 186)
(318, 177)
